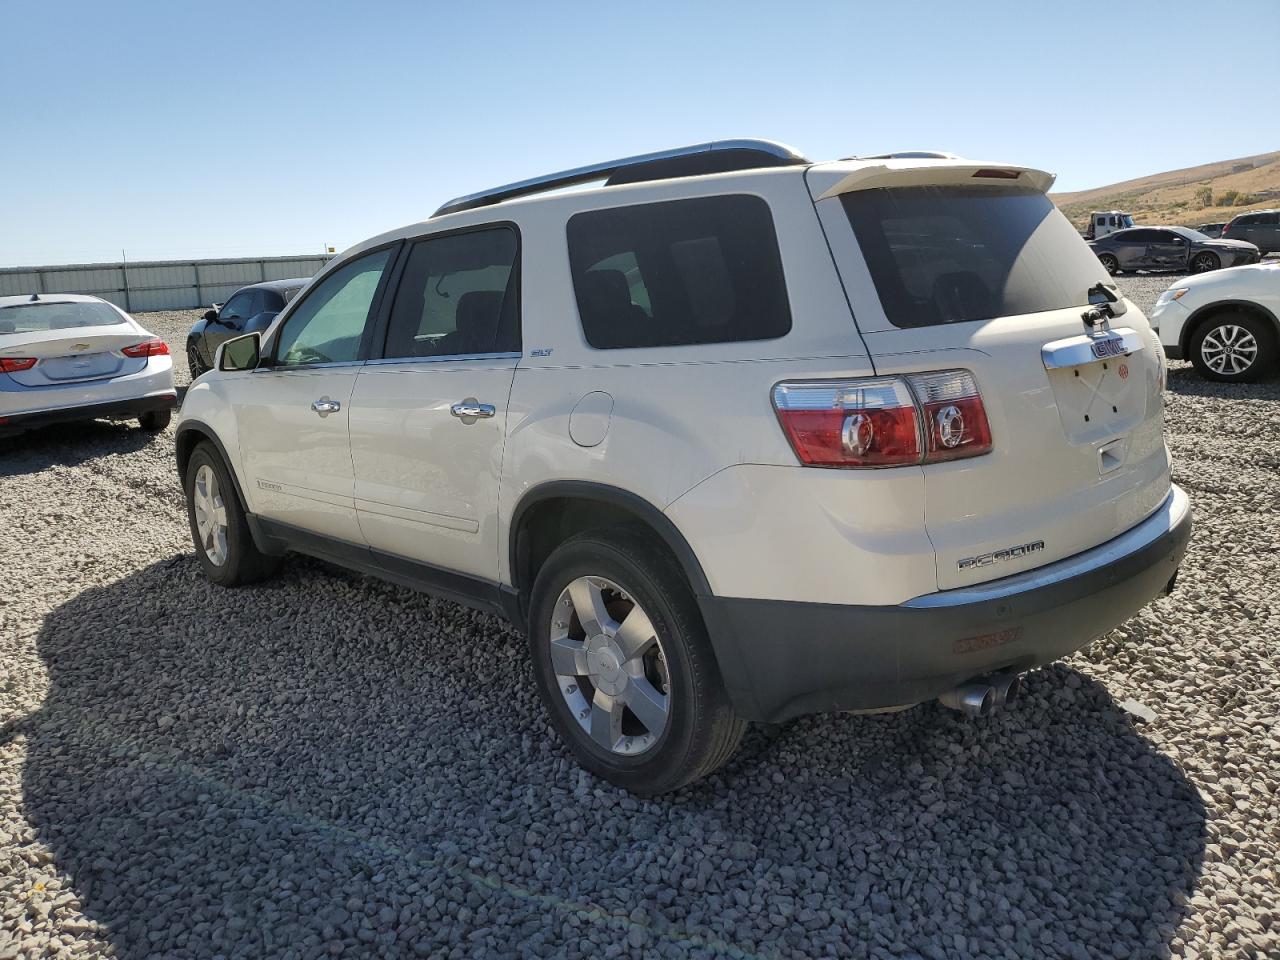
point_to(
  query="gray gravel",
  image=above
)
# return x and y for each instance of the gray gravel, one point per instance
(327, 765)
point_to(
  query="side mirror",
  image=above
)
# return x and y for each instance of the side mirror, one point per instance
(240, 353)
(211, 316)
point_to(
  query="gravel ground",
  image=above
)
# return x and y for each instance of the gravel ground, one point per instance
(327, 765)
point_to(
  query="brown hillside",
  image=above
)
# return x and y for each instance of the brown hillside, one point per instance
(1171, 197)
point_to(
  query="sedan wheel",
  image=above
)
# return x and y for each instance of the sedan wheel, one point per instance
(1204, 262)
(1109, 263)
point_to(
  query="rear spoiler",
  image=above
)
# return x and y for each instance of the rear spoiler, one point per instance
(931, 173)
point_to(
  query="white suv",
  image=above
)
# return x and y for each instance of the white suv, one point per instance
(733, 436)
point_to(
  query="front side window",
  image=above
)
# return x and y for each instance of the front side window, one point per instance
(457, 297)
(948, 254)
(677, 273)
(239, 307)
(328, 325)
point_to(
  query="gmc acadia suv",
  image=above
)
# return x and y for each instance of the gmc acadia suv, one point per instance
(731, 436)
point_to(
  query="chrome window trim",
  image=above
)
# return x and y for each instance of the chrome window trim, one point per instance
(1167, 516)
(290, 367)
(510, 355)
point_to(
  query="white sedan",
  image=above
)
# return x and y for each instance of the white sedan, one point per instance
(1227, 323)
(69, 357)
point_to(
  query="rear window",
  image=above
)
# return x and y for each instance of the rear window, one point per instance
(41, 317)
(952, 254)
(680, 272)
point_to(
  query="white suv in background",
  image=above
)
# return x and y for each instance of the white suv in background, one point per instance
(733, 436)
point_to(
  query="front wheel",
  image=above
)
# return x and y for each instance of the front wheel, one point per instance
(1109, 263)
(1233, 348)
(194, 363)
(1204, 262)
(224, 545)
(624, 665)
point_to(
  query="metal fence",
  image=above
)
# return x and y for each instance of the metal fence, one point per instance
(157, 284)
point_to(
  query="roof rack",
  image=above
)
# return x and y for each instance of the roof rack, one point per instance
(717, 156)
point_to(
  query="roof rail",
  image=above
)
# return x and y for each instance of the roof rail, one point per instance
(731, 154)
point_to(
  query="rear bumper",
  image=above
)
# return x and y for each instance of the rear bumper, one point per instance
(111, 410)
(781, 659)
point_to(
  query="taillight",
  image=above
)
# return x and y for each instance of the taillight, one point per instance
(1223, 232)
(884, 421)
(152, 348)
(14, 364)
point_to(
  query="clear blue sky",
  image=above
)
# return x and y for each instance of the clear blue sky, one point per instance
(183, 129)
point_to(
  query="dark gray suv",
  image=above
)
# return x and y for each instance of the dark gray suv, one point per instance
(1259, 227)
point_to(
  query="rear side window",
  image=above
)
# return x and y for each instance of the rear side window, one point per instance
(952, 254)
(680, 272)
(457, 297)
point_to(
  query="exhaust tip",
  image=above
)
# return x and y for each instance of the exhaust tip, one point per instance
(1006, 686)
(975, 699)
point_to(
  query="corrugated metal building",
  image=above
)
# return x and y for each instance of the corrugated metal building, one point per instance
(157, 284)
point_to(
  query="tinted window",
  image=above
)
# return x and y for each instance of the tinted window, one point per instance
(457, 296)
(1246, 220)
(239, 307)
(38, 317)
(1270, 219)
(680, 272)
(272, 301)
(327, 326)
(950, 254)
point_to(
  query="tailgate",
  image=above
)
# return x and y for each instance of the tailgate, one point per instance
(983, 273)
(86, 353)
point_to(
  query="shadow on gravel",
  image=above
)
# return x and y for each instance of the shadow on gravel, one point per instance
(70, 444)
(328, 765)
(1185, 381)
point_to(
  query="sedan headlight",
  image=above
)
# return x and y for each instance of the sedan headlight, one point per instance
(1172, 294)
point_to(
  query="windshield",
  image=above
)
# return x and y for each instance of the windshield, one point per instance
(41, 317)
(1126, 220)
(956, 253)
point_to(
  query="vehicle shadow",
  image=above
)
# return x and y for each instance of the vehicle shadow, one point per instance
(255, 773)
(1184, 380)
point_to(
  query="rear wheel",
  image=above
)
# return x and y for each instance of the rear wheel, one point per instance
(224, 545)
(1233, 348)
(1204, 262)
(154, 421)
(624, 665)
(1109, 262)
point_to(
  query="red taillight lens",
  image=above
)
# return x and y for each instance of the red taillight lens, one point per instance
(955, 421)
(14, 364)
(152, 348)
(884, 421)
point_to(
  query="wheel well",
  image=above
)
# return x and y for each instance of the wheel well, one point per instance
(1206, 314)
(184, 445)
(544, 521)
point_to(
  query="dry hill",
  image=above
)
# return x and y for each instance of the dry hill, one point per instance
(1178, 196)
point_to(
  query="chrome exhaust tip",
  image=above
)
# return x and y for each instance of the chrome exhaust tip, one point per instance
(1007, 686)
(977, 699)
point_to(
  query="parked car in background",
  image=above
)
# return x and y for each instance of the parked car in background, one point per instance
(1170, 248)
(1227, 324)
(249, 309)
(1211, 230)
(710, 490)
(68, 357)
(1259, 227)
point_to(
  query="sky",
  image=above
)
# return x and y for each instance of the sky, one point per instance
(224, 129)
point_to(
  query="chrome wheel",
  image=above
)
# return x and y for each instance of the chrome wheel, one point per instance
(210, 514)
(1109, 263)
(610, 666)
(1229, 349)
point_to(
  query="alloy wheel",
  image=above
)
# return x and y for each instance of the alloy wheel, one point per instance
(1229, 349)
(1203, 263)
(610, 666)
(211, 515)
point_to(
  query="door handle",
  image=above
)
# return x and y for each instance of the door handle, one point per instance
(324, 406)
(470, 410)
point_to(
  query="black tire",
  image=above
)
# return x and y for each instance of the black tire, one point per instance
(1204, 261)
(701, 731)
(1110, 263)
(1222, 329)
(153, 421)
(244, 562)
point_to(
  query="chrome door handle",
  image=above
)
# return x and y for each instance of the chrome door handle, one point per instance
(324, 406)
(469, 409)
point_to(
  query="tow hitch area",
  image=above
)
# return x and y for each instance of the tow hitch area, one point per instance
(984, 695)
